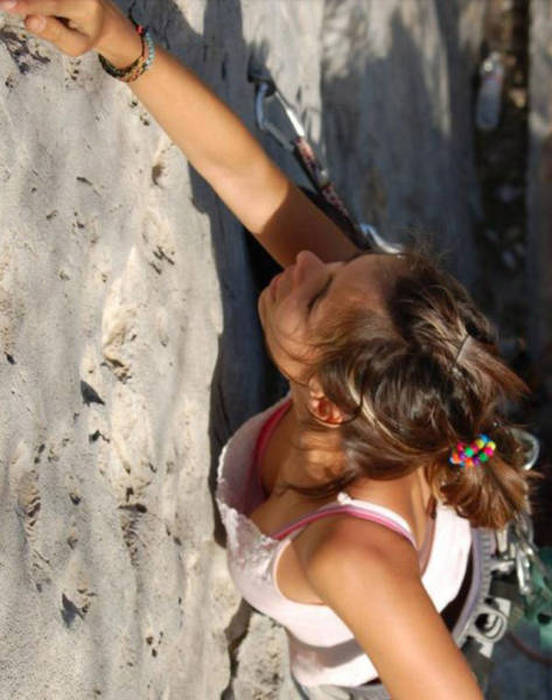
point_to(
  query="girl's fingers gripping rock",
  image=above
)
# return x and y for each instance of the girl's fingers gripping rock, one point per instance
(69, 9)
(68, 40)
(71, 25)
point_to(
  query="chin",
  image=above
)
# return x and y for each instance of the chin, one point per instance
(260, 306)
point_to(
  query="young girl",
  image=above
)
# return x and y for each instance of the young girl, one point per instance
(350, 505)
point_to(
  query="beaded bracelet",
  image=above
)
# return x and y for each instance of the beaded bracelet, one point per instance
(140, 65)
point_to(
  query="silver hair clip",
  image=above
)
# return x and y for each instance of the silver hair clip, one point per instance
(461, 350)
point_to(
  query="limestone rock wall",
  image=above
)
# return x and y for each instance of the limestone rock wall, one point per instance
(539, 179)
(130, 346)
(396, 97)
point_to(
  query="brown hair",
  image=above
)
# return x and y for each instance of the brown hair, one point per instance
(416, 378)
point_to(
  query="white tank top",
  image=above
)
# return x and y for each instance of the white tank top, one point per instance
(322, 648)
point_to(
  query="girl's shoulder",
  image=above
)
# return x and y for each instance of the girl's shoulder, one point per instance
(339, 546)
(388, 529)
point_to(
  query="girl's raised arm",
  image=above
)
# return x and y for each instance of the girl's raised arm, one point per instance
(209, 134)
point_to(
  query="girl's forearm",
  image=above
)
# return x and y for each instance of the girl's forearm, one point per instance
(206, 130)
(211, 136)
(224, 152)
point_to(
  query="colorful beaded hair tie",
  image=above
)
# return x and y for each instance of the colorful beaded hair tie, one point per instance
(474, 453)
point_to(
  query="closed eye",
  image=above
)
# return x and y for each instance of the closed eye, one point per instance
(321, 293)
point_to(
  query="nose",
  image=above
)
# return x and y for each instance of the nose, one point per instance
(306, 263)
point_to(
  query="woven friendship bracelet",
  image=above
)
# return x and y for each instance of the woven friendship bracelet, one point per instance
(140, 65)
(473, 454)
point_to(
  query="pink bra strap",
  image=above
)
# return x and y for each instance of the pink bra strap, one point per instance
(355, 511)
(267, 430)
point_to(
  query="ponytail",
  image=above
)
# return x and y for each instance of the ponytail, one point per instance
(491, 493)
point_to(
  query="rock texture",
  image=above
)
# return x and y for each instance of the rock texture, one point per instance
(396, 97)
(130, 346)
(539, 203)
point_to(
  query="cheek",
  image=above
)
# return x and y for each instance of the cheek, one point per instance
(288, 324)
(286, 338)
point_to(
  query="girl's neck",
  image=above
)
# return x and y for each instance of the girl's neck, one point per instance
(316, 455)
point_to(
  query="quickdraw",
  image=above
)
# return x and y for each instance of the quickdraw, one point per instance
(365, 236)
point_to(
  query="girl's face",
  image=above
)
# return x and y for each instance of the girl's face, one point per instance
(306, 295)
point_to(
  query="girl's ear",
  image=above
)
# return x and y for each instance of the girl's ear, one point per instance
(322, 408)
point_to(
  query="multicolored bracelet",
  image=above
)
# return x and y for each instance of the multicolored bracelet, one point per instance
(140, 65)
(473, 454)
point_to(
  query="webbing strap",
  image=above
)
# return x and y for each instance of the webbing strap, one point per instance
(347, 509)
(480, 664)
(509, 590)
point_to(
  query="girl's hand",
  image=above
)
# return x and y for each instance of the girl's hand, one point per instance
(78, 26)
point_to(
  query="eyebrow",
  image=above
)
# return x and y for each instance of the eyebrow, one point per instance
(326, 288)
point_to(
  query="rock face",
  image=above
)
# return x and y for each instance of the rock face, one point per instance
(397, 116)
(130, 346)
(539, 204)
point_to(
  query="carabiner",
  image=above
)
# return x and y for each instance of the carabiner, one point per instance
(495, 626)
(523, 571)
(265, 92)
(531, 445)
(377, 242)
